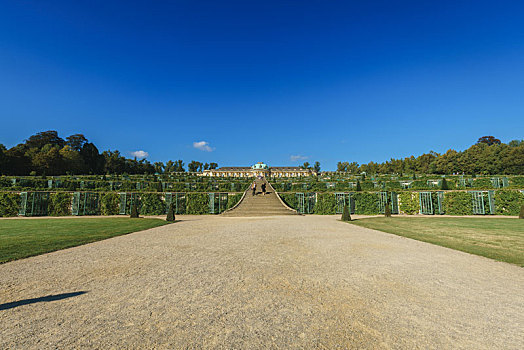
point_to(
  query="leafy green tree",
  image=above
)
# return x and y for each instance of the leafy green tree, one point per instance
(306, 165)
(489, 140)
(194, 166)
(316, 167)
(444, 184)
(213, 166)
(76, 141)
(358, 187)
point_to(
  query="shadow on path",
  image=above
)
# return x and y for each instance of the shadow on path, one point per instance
(14, 304)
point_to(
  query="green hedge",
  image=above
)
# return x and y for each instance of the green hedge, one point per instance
(366, 203)
(152, 204)
(9, 204)
(59, 204)
(458, 203)
(408, 203)
(233, 199)
(508, 202)
(197, 203)
(109, 203)
(326, 204)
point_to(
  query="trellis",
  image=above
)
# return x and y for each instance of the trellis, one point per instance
(394, 203)
(499, 182)
(178, 200)
(342, 199)
(483, 202)
(306, 202)
(85, 203)
(217, 202)
(382, 200)
(127, 200)
(426, 203)
(33, 203)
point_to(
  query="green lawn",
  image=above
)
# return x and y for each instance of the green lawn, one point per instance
(21, 238)
(499, 239)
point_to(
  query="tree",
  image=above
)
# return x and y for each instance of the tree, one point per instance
(93, 160)
(43, 138)
(342, 166)
(76, 141)
(316, 167)
(72, 160)
(159, 167)
(521, 215)
(305, 165)
(213, 166)
(206, 166)
(194, 166)
(489, 140)
(358, 187)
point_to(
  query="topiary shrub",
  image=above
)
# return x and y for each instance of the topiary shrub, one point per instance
(387, 210)
(170, 213)
(345, 214)
(521, 215)
(134, 211)
(358, 187)
(444, 184)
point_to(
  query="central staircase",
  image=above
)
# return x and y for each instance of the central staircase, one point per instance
(260, 205)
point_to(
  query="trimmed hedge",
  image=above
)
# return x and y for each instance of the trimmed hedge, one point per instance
(458, 203)
(9, 204)
(197, 203)
(408, 203)
(508, 202)
(59, 204)
(109, 203)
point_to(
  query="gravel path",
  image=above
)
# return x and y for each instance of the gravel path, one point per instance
(251, 283)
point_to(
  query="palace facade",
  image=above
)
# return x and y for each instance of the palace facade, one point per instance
(259, 169)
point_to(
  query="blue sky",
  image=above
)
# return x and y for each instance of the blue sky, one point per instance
(274, 81)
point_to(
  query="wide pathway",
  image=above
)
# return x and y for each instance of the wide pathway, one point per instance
(252, 283)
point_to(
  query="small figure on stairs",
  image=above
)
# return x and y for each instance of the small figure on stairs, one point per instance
(254, 188)
(263, 189)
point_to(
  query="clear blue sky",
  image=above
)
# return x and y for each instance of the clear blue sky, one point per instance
(264, 80)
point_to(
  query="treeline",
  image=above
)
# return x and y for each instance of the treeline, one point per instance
(45, 153)
(488, 156)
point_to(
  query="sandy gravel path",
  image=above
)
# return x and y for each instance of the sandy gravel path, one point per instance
(251, 283)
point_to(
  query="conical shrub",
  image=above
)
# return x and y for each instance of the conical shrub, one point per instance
(345, 214)
(170, 213)
(444, 184)
(358, 187)
(134, 211)
(387, 210)
(521, 215)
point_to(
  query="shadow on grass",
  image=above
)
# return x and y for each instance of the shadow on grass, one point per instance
(55, 297)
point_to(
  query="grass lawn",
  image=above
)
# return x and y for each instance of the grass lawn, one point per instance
(27, 237)
(499, 239)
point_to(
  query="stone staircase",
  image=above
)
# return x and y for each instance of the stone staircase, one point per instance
(260, 205)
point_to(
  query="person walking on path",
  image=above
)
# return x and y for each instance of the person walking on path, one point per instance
(254, 188)
(263, 189)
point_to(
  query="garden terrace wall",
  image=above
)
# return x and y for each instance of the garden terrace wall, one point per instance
(506, 202)
(110, 203)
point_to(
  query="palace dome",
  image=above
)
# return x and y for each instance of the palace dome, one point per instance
(260, 165)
